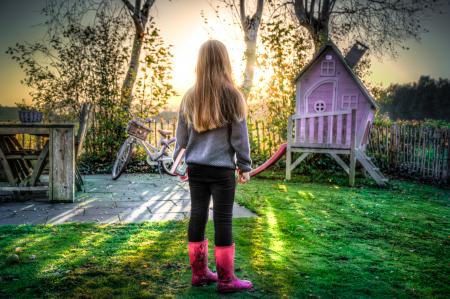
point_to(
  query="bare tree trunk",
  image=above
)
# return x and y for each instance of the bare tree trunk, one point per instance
(140, 19)
(133, 67)
(250, 26)
(315, 19)
(250, 60)
(319, 36)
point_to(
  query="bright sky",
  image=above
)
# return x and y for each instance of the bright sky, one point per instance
(182, 26)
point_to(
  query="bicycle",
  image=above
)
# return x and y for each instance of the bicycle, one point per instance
(160, 155)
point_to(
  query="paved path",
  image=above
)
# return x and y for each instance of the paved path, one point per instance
(131, 198)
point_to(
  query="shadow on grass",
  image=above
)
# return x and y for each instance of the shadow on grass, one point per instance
(88, 260)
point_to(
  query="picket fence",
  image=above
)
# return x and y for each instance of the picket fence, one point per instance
(264, 140)
(419, 151)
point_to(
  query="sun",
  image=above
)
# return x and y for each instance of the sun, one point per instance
(186, 51)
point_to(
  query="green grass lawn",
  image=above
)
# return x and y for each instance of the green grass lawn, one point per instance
(311, 240)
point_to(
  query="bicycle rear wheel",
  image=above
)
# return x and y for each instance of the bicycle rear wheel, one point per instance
(123, 157)
(167, 158)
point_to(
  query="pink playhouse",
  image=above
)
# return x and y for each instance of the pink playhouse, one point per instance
(333, 112)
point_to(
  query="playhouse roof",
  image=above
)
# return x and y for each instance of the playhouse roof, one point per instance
(331, 45)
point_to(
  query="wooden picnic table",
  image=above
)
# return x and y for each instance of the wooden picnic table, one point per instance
(58, 151)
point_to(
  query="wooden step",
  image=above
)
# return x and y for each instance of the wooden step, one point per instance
(370, 167)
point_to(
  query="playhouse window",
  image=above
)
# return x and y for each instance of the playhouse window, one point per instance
(349, 102)
(327, 68)
(320, 106)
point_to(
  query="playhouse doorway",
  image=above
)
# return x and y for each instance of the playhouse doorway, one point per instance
(320, 98)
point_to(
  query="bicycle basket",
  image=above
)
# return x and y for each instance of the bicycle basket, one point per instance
(138, 129)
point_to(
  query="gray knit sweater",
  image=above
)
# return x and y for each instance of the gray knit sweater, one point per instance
(223, 147)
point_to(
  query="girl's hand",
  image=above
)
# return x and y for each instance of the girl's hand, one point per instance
(244, 177)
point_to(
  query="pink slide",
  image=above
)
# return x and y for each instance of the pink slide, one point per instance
(275, 157)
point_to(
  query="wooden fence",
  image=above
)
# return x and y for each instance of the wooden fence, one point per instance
(264, 140)
(163, 124)
(418, 151)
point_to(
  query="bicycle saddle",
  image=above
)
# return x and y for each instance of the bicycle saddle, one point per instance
(164, 133)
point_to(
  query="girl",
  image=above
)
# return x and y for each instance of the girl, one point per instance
(212, 128)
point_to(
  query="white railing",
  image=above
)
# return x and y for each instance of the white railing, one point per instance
(323, 130)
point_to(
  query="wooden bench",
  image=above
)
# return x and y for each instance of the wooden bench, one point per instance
(58, 151)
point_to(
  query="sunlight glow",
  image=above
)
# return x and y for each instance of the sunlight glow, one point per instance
(276, 245)
(306, 195)
(74, 253)
(188, 42)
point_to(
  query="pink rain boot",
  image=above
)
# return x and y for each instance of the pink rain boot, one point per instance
(228, 282)
(198, 259)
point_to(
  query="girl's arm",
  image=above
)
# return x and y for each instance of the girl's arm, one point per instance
(240, 144)
(182, 135)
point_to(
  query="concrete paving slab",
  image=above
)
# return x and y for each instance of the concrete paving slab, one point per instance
(6, 214)
(95, 188)
(160, 205)
(132, 204)
(184, 205)
(131, 198)
(95, 204)
(167, 207)
(25, 217)
(90, 218)
(104, 196)
(62, 216)
(36, 206)
(135, 215)
(174, 196)
(14, 206)
(126, 196)
(92, 211)
(148, 195)
(66, 206)
(242, 212)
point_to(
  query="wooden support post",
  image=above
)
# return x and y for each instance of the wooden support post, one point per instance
(340, 162)
(298, 161)
(288, 149)
(352, 149)
(43, 156)
(4, 162)
(62, 164)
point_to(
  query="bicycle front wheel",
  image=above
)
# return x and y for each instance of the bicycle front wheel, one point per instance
(122, 159)
(167, 158)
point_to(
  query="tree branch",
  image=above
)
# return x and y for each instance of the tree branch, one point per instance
(242, 13)
(128, 5)
(300, 12)
(325, 14)
(259, 10)
(311, 8)
(137, 8)
(147, 6)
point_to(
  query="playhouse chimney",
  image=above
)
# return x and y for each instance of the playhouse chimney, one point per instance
(354, 55)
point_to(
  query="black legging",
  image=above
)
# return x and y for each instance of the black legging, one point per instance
(219, 182)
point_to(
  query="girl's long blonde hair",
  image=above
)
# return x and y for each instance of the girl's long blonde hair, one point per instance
(214, 100)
